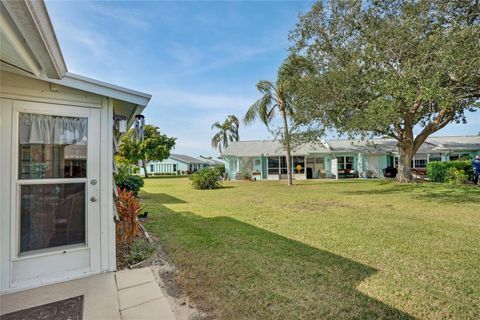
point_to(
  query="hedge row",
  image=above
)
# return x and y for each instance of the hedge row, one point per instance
(439, 171)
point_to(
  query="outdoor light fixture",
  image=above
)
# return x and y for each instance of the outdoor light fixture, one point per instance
(121, 123)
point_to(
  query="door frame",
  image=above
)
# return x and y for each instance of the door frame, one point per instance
(91, 249)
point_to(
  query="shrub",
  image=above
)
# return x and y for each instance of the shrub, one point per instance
(141, 250)
(220, 168)
(206, 179)
(455, 176)
(129, 182)
(128, 209)
(438, 171)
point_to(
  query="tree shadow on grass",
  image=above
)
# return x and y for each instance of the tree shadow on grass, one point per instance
(435, 192)
(237, 271)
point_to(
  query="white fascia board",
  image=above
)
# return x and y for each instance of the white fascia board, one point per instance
(32, 20)
(102, 88)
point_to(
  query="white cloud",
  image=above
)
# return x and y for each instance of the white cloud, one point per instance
(200, 101)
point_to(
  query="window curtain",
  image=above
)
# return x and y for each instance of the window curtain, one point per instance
(47, 129)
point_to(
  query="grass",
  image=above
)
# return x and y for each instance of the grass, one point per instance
(322, 249)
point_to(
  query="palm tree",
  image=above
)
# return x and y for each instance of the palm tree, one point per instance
(235, 126)
(228, 131)
(274, 100)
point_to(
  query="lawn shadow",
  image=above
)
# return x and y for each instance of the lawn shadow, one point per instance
(160, 198)
(239, 271)
(425, 191)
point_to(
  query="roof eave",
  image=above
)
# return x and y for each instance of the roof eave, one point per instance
(32, 20)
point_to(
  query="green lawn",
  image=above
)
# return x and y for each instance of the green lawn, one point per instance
(322, 249)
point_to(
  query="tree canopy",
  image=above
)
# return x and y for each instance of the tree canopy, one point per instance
(155, 146)
(390, 68)
(227, 132)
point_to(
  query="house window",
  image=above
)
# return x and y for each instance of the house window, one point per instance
(273, 165)
(435, 157)
(283, 165)
(341, 163)
(298, 165)
(458, 156)
(152, 168)
(345, 163)
(257, 162)
(174, 168)
(349, 163)
(420, 161)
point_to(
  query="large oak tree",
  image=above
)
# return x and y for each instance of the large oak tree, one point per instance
(402, 69)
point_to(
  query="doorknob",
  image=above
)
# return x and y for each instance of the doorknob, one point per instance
(93, 182)
(93, 199)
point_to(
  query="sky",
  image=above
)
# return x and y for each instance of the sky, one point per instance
(200, 60)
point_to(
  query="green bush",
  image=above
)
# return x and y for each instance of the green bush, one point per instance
(140, 250)
(207, 178)
(455, 176)
(129, 182)
(220, 168)
(438, 171)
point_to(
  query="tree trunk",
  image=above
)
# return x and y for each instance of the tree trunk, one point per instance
(144, 165)
(404, 173)
(286, 137)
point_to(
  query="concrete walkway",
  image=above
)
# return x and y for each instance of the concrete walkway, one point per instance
(124, 295)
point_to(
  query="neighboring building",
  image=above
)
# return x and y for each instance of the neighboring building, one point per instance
(176, 164)
(56, 136)
(211, 162)
(266, 159)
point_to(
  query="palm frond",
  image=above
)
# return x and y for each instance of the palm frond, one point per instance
(216, 140)
(265, 86)
(217, 125)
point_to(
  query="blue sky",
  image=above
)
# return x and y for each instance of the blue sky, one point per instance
(200, 60)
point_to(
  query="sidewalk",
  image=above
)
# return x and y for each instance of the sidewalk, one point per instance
(124, 295)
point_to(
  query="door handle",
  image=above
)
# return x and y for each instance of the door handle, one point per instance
(93, 199)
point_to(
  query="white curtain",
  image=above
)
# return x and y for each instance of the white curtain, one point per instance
(46, 129)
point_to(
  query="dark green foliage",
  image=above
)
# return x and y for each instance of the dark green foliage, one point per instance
(207, 178)
(129, 182)
(387, 67)
(449, 171)
(140, 250)
(220, 169)
(155, 146)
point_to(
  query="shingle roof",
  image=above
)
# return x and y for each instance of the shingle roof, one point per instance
(271, 147)
(186, 159)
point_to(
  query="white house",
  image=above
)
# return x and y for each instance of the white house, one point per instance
(56, 140)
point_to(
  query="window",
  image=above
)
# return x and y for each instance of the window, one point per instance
(298, 165)
(52, 147)
(349, 163)
(152, 168)
(345, 163)
(174, 168)
(341, 163)
(283, 165)
(458, 156)
(435, 157)
(257, 162)
(273, 165)
(420, 161)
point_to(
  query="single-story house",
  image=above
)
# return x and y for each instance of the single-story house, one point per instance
(176, 164)
(339, 158)
(57, 135)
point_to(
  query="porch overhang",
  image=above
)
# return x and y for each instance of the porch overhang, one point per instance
(28, 41)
